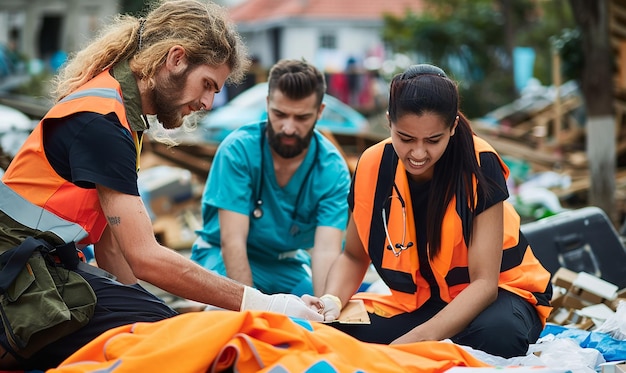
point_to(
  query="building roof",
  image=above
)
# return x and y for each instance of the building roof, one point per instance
(266, 10)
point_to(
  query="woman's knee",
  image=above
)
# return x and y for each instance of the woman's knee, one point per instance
(506, 328)
(500, 336)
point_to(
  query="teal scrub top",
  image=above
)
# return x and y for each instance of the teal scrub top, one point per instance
(288, 223)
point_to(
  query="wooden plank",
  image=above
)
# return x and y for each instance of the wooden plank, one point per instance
(32, 107)
(521, 151)
(522, 131)
(621, 65)
(180, 156)
(583, 184)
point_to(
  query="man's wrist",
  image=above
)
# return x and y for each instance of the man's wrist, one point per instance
(252, 299)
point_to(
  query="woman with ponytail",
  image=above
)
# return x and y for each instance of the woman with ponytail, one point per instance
(429, 212)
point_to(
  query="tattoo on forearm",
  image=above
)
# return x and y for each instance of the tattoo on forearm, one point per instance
(114, 220)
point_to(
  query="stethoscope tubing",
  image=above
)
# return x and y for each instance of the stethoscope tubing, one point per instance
(257, 212)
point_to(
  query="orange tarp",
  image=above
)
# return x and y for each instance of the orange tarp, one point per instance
(253, 341)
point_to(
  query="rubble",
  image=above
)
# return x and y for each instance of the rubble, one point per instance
(582, 300)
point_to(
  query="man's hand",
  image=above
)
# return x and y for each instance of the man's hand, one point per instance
(328, 305)
(287, 304)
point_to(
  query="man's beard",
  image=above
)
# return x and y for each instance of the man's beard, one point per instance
(165, 95)
(288, 151)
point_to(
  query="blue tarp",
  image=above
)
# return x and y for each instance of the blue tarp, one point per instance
(250, 106)
(610, 348)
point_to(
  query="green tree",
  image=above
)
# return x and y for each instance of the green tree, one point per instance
(473, 41)
(134, 7)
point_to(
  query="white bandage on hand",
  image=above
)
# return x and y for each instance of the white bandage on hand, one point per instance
(287, 304)
(332, 307)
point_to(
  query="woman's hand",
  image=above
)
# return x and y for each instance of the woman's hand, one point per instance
(417, 334)
(327, 305)
(403, 339)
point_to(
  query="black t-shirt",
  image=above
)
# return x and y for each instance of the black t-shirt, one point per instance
(492, 171)
(89, 148)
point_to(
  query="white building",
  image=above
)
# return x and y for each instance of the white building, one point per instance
(325, 32)
(39, 28)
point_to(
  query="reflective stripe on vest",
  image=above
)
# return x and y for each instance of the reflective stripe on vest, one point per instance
(25, 212)
(94, 92)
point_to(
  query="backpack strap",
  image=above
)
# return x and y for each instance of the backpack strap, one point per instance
(16, 260)
(67, 254)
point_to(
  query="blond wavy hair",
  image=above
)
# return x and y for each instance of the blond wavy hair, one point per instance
(202, 28)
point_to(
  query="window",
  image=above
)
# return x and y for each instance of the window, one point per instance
(328, 41)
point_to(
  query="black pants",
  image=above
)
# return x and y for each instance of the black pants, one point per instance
(117, 305)
(505, 328)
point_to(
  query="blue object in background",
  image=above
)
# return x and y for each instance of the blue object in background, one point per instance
(523, 66)
(610, 348)
(250, 106)
(6, 64)
(88, 253)
(57, 60)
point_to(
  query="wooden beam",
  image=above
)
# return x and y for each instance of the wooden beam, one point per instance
(621, 65)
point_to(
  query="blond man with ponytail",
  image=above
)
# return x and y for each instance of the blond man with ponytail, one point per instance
(74, 182)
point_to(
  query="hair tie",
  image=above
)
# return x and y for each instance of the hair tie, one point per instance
(142, 22)
(422, 69)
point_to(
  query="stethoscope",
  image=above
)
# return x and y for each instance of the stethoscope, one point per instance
(257, 213)
(398, 248)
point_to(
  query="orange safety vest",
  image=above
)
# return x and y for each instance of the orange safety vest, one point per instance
(253, 341)
(520, 273)
(33, 194)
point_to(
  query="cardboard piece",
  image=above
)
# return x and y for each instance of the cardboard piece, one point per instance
(613, 367)
(353, 313)
(171, 231)
(585, 302)
(163, 187)
(564, 278)
(599, 312)
(594, 285)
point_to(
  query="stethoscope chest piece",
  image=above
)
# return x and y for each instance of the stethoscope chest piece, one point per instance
(258, 212)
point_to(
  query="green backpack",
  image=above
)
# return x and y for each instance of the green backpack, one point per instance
(42, 300)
